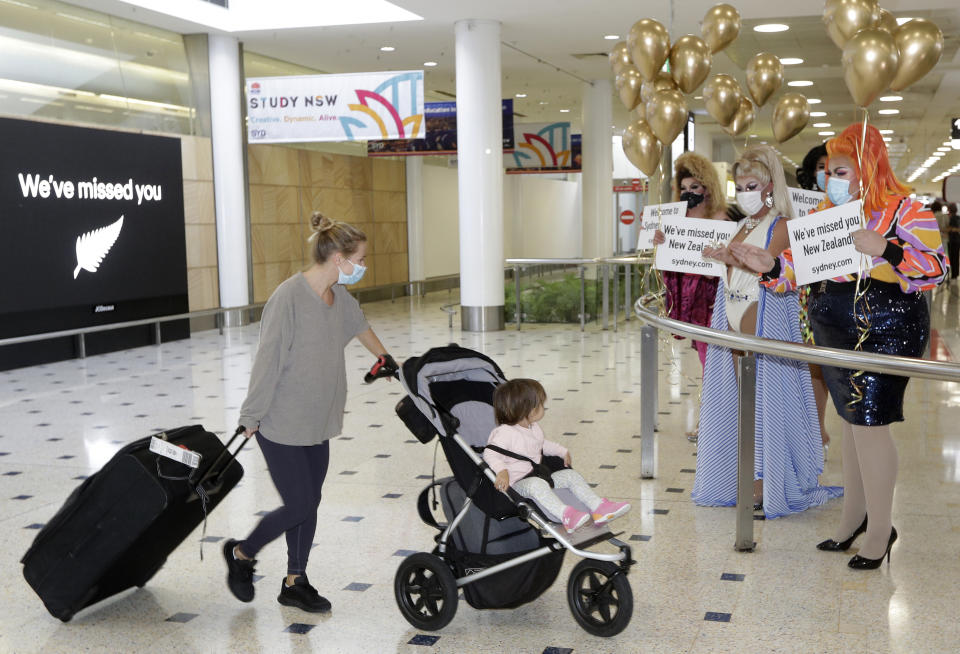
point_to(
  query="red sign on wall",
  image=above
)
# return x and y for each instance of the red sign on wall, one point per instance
(627, 217)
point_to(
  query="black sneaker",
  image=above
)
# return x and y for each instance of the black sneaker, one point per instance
(239, 573)
(303, 596)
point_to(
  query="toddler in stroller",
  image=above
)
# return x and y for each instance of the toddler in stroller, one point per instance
(525, 461)
(495, 546)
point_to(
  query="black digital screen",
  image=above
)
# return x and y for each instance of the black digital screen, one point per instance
(88, 218)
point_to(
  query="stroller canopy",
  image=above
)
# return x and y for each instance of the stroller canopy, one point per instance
(453, 388)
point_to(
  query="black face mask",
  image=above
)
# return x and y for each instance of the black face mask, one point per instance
(692, 199)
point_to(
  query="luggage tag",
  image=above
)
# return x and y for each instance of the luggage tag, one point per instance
(169, 450)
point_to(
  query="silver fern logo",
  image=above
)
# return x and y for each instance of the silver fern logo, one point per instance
(93, 246)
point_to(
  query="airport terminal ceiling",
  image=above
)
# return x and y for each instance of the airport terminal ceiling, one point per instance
(548, 48)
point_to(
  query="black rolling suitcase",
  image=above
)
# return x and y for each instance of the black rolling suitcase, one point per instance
(117, 528)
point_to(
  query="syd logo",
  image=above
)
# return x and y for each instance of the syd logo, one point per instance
(93, 246)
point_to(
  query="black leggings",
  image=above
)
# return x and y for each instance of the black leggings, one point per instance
(298, 473)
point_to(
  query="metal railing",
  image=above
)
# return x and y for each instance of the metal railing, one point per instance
(605, 265)
(156, 321)
(751, 345)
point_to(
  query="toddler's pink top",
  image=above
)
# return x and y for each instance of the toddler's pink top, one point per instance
(528, 442)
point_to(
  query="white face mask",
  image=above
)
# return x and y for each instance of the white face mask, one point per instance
(751, 202)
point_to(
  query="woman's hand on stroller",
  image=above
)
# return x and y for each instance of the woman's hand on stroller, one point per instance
(502, 482)
(384, 367)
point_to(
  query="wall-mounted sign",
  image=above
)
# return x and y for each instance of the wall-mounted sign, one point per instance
(545, 148)
(90, 217)
(627, 217)
(441, 136)
(344, 107)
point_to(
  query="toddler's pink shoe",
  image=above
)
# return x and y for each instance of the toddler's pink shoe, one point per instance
(573, 519)
(608, 510)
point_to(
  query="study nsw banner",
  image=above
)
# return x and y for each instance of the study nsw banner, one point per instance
(341, 107)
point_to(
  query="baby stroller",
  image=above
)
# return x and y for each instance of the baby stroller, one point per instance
(501, 549)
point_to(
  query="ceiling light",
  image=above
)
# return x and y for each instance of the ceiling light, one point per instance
(814, 100)
(429, 64)
(543, 102)
(800, 82)
(826, 133)
(888, 112)
(791, 61)
(818, 114)
(887, 139)
(943, 148)
(564, 111)
(771, 27)
(886, 131)
(387, 48)
(698, 97)
(521, 95)
(903, 19)
(891, 98)
(821, 124)
(612, 37)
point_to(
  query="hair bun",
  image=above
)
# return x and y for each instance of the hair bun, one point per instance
(320, 223)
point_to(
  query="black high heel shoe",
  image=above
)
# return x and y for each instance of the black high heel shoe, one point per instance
(831, 545)
(862, 563)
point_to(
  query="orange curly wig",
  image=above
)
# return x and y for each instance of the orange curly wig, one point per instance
(875, 173)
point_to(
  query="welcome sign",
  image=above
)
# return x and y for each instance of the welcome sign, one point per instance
(92, 224)
(685, 240)
(344, 107)
(652, 214)
(822, 244)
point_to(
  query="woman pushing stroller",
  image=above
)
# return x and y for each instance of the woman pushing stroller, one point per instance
(524, 460)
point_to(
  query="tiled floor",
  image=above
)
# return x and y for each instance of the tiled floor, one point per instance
(692, 592)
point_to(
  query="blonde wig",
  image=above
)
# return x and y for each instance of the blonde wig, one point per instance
(691, 164)
(762, 162)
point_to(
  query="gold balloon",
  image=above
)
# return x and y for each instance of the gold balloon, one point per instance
(764, 77)
(790, 116)
(619, 58)
(844, 18)
(722, 96)
(628, 86)
(689, 62)
(887, 21)
(870, 61)
(667, 115)
(649, 46)
(920, 44)
(662, 82)
(743, 119)
(720, 26)
(641, 147)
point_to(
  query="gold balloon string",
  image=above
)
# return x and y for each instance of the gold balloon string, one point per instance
(862, 317)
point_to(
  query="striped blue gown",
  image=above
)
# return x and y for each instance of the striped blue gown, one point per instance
(789, 453)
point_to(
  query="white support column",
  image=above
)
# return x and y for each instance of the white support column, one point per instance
(480, 174)
(597, 175)
(416, 250)
(229, 179)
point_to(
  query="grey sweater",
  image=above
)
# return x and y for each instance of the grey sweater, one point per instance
(298, 386)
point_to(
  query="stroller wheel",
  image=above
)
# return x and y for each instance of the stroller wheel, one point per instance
(426, 591)
(600, 597)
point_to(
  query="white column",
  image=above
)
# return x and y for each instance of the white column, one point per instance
(480, 174)
(597, 172)
(416, 251)
(229, 180)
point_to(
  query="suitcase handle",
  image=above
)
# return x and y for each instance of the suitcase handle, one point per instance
(225, 454)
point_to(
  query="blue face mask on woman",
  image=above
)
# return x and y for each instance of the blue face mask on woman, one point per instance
(353, 277)
(822, 180)
(838, 190)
